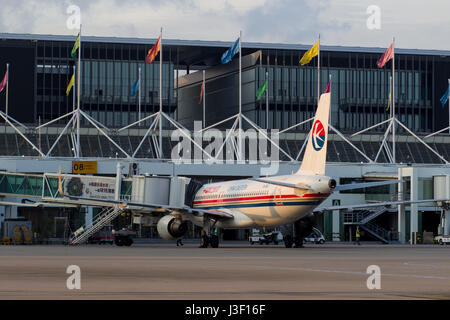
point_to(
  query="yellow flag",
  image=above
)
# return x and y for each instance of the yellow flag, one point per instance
(311, 53)
(389, 102)
(70, 86)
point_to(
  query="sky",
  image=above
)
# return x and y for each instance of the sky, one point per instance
(414, 24)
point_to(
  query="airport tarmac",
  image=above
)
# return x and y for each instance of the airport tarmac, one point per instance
(233, 271)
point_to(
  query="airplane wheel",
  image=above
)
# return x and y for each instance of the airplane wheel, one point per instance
(128, 242)
(298, 243)
(204, 241)
(288, 241)
(119, 241)
(214, 241)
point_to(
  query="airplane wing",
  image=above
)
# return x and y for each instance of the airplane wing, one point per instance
(353, 186)
(157, 208)
(378, 204)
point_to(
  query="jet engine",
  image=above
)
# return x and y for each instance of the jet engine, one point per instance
(171, 228)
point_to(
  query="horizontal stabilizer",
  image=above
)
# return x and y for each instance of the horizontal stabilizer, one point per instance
(284, 184)
(353, 186)
(378, 204)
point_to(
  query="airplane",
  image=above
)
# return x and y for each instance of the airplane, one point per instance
(256, 202)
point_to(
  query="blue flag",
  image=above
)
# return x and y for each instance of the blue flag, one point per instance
(230, 53)
(135, 88)
(445, 97)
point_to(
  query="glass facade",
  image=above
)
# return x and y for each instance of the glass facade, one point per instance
(108, 73)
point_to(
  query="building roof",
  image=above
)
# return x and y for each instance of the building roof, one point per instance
(225, 44)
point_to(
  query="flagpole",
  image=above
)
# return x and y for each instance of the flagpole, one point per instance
(160, 93)
(73, 93)
(240, 94)
(79, 103)
(267, 100)
(393, 99)
(139, 98)
(390, 99)
(204, 102)
(7, 88)
(318, 73)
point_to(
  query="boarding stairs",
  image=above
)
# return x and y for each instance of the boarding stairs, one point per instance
(104, 218)
(363, 219)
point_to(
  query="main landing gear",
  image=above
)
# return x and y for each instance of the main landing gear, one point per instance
(301, 229)
(208, 238)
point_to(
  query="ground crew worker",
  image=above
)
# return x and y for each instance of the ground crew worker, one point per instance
(358, 236)
(180, 242)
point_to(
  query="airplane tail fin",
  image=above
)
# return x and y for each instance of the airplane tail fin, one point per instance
(315, 157)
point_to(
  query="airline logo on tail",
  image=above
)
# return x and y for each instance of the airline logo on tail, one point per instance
(318, 135)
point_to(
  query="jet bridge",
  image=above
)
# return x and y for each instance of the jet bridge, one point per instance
(44, 190)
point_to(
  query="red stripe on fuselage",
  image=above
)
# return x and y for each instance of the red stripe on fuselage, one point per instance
(270, 197)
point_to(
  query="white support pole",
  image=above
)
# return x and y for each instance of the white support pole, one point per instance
(329, 79)
(160, 94)
(240, 153)
(20, 133)
(81, 113)
(145, 137)
(204, 99)
(318, 73)
(73, 91)
(393, 100)
(79, 100)
(267, 101)
(421, 141)
(139, 98)
(7, 88)
(348, 141)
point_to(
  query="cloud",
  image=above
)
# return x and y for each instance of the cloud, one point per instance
(415, 24)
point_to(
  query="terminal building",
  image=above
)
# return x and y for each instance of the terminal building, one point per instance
(40, 68)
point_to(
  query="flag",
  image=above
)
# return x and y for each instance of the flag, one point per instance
(261, 90)
(76, 46)
(153, 52)
(70, 86)
(135, 88)
(328, 87)
(444, 98)
(389, 102)
(201, 93)
(231, 52)
(387, 55)
(4, 82)
(311, 53)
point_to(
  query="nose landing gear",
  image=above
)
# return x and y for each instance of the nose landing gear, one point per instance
(208, 237)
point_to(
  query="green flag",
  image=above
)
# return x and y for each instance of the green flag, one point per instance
(261, 90)
(75, 47)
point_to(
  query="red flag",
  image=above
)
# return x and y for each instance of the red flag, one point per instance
(4, 82)
(153, 52)
(388, 55)
(201, 93)
(328, 87)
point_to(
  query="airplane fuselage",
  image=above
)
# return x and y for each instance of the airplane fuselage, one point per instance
(259, 204)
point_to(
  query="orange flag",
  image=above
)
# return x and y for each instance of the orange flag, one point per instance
(201, 93)
(388, 55)
(153, 52)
